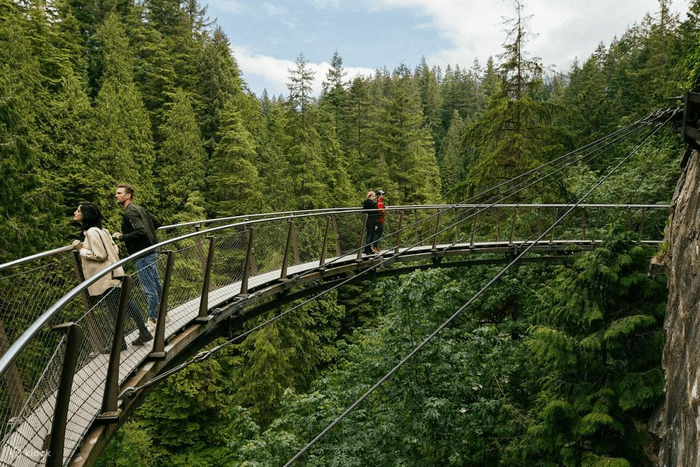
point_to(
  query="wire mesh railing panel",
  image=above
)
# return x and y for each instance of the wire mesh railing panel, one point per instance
(267, 253)
(349, 231)
(187, 279)
(309, 237)
(229, 259)
(24, 440)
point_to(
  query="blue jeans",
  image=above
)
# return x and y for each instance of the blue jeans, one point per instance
(148, 274)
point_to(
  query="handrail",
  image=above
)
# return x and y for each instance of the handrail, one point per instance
(303, 213)
(28, 259)
(13, 352)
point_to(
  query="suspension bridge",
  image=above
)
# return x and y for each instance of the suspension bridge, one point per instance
(62, 397)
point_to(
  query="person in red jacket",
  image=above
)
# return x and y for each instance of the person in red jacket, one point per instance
(381, 218)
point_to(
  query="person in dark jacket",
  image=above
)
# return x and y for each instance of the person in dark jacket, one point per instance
(370, 203)
(139, 232)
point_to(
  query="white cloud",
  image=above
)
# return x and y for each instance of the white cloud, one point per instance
(564, 29)
(275, 72)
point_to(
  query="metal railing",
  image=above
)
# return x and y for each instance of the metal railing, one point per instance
(200, 269)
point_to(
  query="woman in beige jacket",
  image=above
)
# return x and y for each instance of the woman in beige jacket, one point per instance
(97, 251)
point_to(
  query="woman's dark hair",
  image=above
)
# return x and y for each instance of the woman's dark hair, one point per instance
(92, 217)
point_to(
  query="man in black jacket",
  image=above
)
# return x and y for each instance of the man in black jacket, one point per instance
(139, 232)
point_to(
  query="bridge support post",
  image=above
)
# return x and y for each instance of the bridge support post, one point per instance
(512, 226)
(641, 223)
(57, 437)
(109, 413)
(204, 299)
(158, 352)
(583, 223)
(325, 240)
(415, 219)
(398, 234)
(551, 232)
(247, 261)
(471, 242)
(437, 229)
(285, 258)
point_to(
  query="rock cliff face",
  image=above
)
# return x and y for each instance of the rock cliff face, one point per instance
(677, 424)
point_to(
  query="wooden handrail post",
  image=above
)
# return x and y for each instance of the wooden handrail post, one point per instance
(158, 351)
(512, 226)
(74, 339)
(583, 223)
(206, 282)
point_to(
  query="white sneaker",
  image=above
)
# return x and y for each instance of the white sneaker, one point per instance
(151, 325)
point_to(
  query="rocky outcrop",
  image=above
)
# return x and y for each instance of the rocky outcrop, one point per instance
(677, 424)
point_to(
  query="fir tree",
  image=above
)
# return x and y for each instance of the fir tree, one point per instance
(235, 187)
(181, 158)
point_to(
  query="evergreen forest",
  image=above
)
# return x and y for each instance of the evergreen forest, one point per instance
(555, 366)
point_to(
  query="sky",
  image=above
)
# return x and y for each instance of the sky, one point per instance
(267, 36)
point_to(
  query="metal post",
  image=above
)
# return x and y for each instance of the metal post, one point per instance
(498, 233)
(551, 233)
(15, 387)
(512, 226)
(583, 223)
(74, 339)
(295, 245)
(437, 229)
(361, 249)
(471, 243)
(641, 225)
(597, 223)
(159, 339)
(337, 237)
(246, 263)
(200, 249)
(398, 233)
(285, 258)
(204, 299)
(539, 221)
(109, 412)
(323, 244)
(415, 218)
(98, 338)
